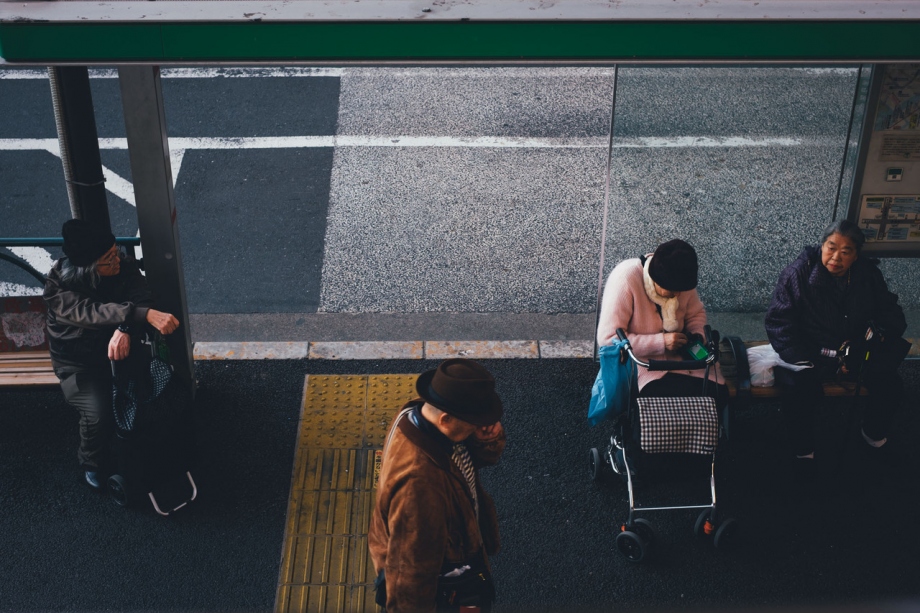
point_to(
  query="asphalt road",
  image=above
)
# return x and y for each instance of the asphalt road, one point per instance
(459, 190)
(846, 542)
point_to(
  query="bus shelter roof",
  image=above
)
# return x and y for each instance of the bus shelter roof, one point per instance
(345, 32)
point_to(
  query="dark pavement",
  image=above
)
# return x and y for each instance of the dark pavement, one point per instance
(850, 542)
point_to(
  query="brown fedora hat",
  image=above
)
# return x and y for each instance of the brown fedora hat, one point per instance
(462, 388)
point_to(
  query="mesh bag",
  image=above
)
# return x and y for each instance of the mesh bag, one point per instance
(678, 425)
(138, 382)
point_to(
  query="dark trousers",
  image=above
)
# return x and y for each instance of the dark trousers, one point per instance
(675, 385)
(90, 393)
(803, 393)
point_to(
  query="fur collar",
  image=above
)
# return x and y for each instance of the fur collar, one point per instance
(668, 305)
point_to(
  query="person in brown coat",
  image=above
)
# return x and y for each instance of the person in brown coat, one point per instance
(434, 526)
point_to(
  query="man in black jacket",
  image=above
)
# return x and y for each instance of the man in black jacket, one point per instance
(832, 308)
(96, 300)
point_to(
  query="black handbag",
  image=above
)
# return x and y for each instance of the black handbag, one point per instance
(472, 587)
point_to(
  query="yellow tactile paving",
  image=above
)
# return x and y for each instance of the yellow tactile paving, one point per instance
(325, 565)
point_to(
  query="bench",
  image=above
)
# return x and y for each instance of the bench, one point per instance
(736, 371)
(24, 356)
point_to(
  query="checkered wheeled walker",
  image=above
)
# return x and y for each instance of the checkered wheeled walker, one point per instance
(674, 425)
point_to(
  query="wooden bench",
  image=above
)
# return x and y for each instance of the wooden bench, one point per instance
(734, 365)
(24, 357)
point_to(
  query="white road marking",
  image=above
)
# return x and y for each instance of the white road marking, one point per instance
(192, 73)
(39, 258)
(420, 72)
(299, 142)
(36, 257)
(122, 188)
(17, 289)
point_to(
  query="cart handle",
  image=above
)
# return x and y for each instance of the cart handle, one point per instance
(674, 364)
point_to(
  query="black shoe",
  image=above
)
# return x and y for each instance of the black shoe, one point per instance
(94, 479)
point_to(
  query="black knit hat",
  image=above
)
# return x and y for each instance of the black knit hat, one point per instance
(462, 388)
(84, 243)
(674, 266)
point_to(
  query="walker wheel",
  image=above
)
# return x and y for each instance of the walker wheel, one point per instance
(596, 464)
(631, 546)
(703, 526)
(643, 528)
(118, 490)
(727, 534)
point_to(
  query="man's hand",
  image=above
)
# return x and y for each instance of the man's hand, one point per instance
(674, 341)
(119, 345)
(485, 434)
(164, 322)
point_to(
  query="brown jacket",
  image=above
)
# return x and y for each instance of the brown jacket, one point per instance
(424, 516)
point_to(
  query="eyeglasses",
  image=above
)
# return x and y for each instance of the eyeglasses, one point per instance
(113, 259)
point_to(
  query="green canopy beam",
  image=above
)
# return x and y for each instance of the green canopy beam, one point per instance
(408, 31)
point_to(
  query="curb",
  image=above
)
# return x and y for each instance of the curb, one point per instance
(393, 350)
(409, 350)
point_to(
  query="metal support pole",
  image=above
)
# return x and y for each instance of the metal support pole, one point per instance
(79, 142)
(148, 149)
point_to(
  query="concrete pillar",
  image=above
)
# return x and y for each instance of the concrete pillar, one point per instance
(145, 123)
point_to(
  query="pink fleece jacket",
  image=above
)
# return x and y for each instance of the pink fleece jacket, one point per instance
(626, 305)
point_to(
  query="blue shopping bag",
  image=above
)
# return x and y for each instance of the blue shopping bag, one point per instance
(616, 379)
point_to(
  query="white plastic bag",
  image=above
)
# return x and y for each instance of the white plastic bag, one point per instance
(762, 359)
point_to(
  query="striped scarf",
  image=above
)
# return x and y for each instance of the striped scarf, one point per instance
(461, 457)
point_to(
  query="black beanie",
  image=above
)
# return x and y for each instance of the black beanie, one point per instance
(674, 266)
(84, 243)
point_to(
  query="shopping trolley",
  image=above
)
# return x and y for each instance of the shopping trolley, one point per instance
(671, 425)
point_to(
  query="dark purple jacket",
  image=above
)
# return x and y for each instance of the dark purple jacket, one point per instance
(810, 311)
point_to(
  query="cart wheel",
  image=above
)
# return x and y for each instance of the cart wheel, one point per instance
(643, 528)
(118, 489)
(726, 534)
(595, 463)
(703, 526)
(631, 546)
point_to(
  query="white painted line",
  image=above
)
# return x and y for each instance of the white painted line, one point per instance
(499, 142)
(193, 73)
(17, 289)
(119, 186)
(295, 72)
(37, 257)
(175, 162)
(30, 144)
(650, 142)
(496, 72)
(257, 142)
(114, 183)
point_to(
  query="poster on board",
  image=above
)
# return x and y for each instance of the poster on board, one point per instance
(888, 206)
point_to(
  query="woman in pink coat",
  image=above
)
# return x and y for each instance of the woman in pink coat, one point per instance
(654, 299)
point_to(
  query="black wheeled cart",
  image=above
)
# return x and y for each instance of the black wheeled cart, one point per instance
(154, 447)
(681, 427)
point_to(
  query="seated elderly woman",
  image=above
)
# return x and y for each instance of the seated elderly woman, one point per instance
(830, 299)
(654, 299)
